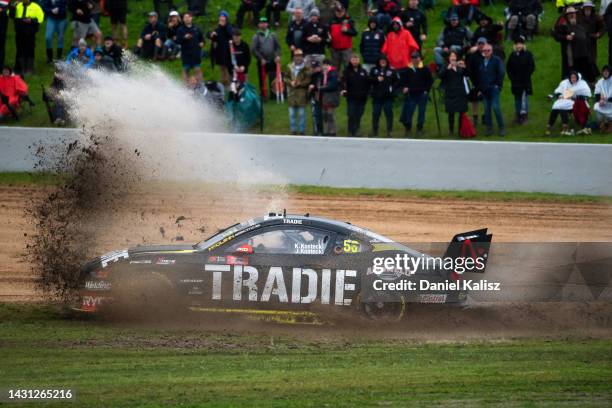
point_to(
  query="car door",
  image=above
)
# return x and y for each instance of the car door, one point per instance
(285, 266)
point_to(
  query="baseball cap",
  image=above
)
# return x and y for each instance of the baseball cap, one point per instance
(82, 42)
(453, 16)
(520, 39)
(315, 12)
(588, 4)
(153, 13)
(481, 40)
(570, 10)
(174, 13)
(298, 52)
(263, 20)
(415, 54)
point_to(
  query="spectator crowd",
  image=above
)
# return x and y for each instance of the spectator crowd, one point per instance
(333, 59)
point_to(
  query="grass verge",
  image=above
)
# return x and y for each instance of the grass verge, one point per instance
(119, 365)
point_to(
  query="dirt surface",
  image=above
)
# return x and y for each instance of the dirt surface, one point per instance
(149, 216)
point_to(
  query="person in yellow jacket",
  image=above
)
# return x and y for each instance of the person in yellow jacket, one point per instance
(28, 18)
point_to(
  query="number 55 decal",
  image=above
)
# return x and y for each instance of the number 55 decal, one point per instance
(351, 246)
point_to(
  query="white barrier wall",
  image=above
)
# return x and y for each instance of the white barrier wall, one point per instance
(379, 163)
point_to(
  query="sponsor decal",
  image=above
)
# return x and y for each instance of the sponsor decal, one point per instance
(432, 298)
(292, 221)
(91, 303)
(141, 261)
(164, 261)
(284, 285)
(113, 257)
(97, 285)
(221, 242)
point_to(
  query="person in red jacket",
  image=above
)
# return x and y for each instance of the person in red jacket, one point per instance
(341, 30)
(12, 89)
(399, 46)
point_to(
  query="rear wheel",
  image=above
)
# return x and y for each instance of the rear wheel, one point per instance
(389, 309)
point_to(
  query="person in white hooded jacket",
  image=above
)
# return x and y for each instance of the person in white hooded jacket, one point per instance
(603, 96)
(565, 95)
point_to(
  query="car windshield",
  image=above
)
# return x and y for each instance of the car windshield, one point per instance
(221, 235)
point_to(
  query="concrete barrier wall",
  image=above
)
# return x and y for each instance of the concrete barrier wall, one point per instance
(564, 168)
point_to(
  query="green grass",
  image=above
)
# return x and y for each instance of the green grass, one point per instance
(118, 365)
(42, 179)
(28, 179)
(546, 77)
(462, 195)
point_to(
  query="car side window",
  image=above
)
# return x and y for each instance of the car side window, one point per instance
(291, 241)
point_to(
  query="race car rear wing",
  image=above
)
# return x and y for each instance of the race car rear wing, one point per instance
(472, 244)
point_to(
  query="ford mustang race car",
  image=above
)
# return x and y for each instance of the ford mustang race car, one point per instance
(282, 262)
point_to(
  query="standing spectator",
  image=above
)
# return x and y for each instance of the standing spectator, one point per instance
(472, 63)
(242, 57)
(297, 80)
(372, 41)
(273, 11)
(342, 30)
(266, 49)
(399, 46)
(523, 17)
(171, 47)
(316, 37)
(606, 12)
(490, 81)
(306, 5)
(114, 52)
(415, 86)
(248, 5)
(465, 10)
(383, 80)
(415, 21)
(151, 41)
(330, 97)
(4, 21)
(453, 78)
(83, 25)
(219, 46)
(520, 68)
(327, 10)
(316, 81)
(491, 31)
(595, 28)
(81, 55)
(574, 45)
(355, 87)
(295, 31)
(385, 11)
(566, 95)
(57, 21)
(28, 18)
(454, 37)
(117, 9)
(603, 98)
(191, 40)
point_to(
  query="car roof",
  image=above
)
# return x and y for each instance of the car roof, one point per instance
(273, 219)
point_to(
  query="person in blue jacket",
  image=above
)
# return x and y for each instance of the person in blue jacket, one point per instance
(81, 55)
(491, 73)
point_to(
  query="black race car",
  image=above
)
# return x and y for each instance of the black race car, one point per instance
(286, 263)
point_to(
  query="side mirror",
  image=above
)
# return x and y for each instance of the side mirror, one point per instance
(244, 249)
